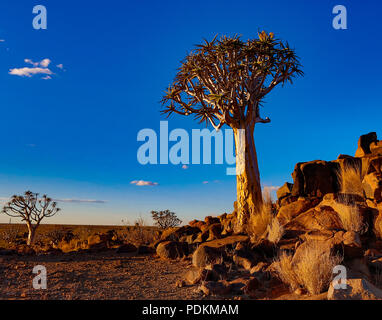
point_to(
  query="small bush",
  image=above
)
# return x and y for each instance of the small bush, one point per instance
(313, 271)
(139, 233)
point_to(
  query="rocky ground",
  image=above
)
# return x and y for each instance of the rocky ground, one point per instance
(104, 275)
(330, 216)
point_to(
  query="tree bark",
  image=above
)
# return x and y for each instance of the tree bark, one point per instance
(31, 234)
(249, 196)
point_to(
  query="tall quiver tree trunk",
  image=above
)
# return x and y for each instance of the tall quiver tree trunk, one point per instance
(249, 196)
(31, 233)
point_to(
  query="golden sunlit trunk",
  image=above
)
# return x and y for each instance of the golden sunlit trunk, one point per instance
(249, 197)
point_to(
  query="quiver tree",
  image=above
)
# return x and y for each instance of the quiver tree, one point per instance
(165, 219)
(32, 210)
(225, 82)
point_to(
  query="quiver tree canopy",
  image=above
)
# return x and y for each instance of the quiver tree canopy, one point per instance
(224, 81)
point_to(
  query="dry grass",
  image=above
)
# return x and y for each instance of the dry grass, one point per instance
(350, 179)
(313, 271)
(284, 269)
(264, 224)
(275, 231)
(350, 217)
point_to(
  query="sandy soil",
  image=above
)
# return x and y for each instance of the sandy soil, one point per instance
(105, 275)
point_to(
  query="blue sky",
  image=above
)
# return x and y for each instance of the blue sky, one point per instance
(74, 136)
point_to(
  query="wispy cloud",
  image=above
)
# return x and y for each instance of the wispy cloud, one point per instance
(60, 66)
(80, 200)
(142, 183)
(270, 188)
(29, 72)
(2, 40)
(38, 68)
(6, 199)
(185, 167)
(213, 181)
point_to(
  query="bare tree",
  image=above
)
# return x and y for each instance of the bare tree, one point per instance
(225, 82)
(165, 219)
(32, 210)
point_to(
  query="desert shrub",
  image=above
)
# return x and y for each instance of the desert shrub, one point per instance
(139, 233)
(165, 219)
(58, 234)
(350, 179)
(83, 233)
(10, 234)
(313, 271)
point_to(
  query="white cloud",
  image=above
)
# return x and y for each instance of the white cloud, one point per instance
(2, 40)
(142, 183)
(80, 200)
(45, 63)
(35, 64)
(60, 66)
(205, 182)
(39, 67)
(270, 188)
(28, 72)
(185, 167)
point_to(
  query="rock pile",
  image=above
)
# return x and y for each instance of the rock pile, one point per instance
(335, 203)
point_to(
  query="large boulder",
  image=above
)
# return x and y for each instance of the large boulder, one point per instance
(284, 190)
(372, 186)
(216, 288)
(172, 249)
(364, 144)
(214, 251)
(357, 289)
(376, 147)
(228, 222)
(318, 218)
(175, 234)
(205, 255)
(315, 178)
(292, 210)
